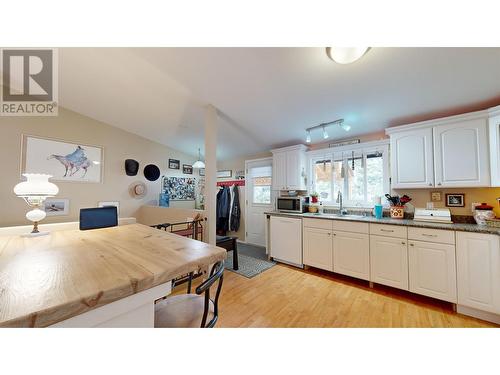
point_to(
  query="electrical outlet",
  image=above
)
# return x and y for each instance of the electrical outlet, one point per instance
(473, 206)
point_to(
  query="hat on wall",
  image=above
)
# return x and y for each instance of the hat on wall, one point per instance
(151, 172)
(131, 167)
(138, 189)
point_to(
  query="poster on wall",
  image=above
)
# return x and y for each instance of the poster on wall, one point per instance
(56, 206)
(65, 161)
(179, 188)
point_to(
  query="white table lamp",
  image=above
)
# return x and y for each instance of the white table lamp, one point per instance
(34, 191)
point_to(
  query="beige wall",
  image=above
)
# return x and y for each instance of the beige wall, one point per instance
(422, 196)
(239, 165)
(118, 145)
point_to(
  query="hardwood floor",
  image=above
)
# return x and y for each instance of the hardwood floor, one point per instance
(285, 296)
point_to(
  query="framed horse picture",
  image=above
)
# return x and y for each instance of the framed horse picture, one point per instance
(65, 161)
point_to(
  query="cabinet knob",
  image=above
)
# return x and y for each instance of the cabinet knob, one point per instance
(403, 243)
(430, 183)
(412, 244)
(329, 234)
(439, 183)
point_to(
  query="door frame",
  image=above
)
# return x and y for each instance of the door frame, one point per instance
(247, 163)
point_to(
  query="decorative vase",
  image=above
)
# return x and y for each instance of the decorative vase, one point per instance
(482, 213)
(397, 212)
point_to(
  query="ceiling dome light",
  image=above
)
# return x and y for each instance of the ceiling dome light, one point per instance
(346, 55)
(198, 164)
(308, 136)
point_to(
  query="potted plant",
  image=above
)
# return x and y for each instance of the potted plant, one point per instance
(397, 205)
(314, 197)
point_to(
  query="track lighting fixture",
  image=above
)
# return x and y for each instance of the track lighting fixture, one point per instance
(323, 126)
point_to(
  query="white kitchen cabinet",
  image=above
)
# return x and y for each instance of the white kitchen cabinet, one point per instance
(351, 254)
(389, 261)
(461, 157)
(478, 271)
(412, 159)
(289, 168)
(432, 270)
(494, 137)
(318, 248)
(286, 239)
(279, 171)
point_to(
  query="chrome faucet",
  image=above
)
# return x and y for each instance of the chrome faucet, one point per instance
(342, 211)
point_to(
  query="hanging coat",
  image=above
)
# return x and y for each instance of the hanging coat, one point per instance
(235, 211)
(223, 209)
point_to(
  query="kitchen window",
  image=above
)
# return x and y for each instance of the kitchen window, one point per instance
(360, 174)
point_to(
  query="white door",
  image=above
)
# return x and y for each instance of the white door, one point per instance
(258, 199)
(478, 271)
(432, 270)
(494, 135)
(389, 261)
(279, 171)
(461, 156)
(411, 159)
(286, 239)
(351, 254)
(318, 248)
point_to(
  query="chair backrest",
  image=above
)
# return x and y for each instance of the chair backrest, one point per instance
(217, 273)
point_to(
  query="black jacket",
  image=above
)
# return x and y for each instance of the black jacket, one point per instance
(235, 211)
(223, 208)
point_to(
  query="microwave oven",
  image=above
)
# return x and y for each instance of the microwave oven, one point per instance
(291, 204)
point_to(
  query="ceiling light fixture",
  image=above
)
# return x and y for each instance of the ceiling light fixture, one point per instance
(324, 125)
(198, 164)
(346, 55)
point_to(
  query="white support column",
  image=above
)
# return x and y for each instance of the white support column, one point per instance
(211, 170)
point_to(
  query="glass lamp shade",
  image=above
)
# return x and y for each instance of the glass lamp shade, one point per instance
(198, 164)
(346, 55)
(36, 185)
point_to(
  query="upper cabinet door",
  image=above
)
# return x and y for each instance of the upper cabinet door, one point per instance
(412, 159)
(495, 150)
(461, 154)
(279, 171)
(294, 170)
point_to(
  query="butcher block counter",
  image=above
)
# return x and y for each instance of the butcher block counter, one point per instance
(105, 277)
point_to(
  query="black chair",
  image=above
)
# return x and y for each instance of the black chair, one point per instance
(188, 310)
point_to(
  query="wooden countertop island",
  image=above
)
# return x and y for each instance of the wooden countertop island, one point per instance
(105, 277)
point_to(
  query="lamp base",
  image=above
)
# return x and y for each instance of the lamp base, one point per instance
(36, 234)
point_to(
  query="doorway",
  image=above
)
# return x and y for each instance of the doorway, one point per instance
(259, 199)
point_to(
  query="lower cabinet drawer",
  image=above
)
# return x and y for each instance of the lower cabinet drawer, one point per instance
(317, 223)
(431, 235)
(398, 231)
(351, 226)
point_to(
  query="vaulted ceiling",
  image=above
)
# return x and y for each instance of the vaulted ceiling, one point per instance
(266, 97)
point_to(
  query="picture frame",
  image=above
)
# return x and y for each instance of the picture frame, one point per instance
(56, 206)
(65, 161)
(187, 169)
(202, 172)
(110, 203)
(226, 173)
(455, 200)
(174, 164)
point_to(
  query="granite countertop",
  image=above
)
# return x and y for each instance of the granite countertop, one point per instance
(387, 220)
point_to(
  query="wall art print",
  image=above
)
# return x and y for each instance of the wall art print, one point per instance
(179, 188)
(65, 161)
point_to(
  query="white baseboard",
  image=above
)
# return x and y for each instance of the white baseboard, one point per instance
(479, 314)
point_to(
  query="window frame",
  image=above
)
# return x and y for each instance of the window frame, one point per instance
(344, 153)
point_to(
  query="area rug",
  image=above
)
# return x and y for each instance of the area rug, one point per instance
(247, 266)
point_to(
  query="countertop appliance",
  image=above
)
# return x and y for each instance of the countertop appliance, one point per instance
(292, 204)
(435, 215)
